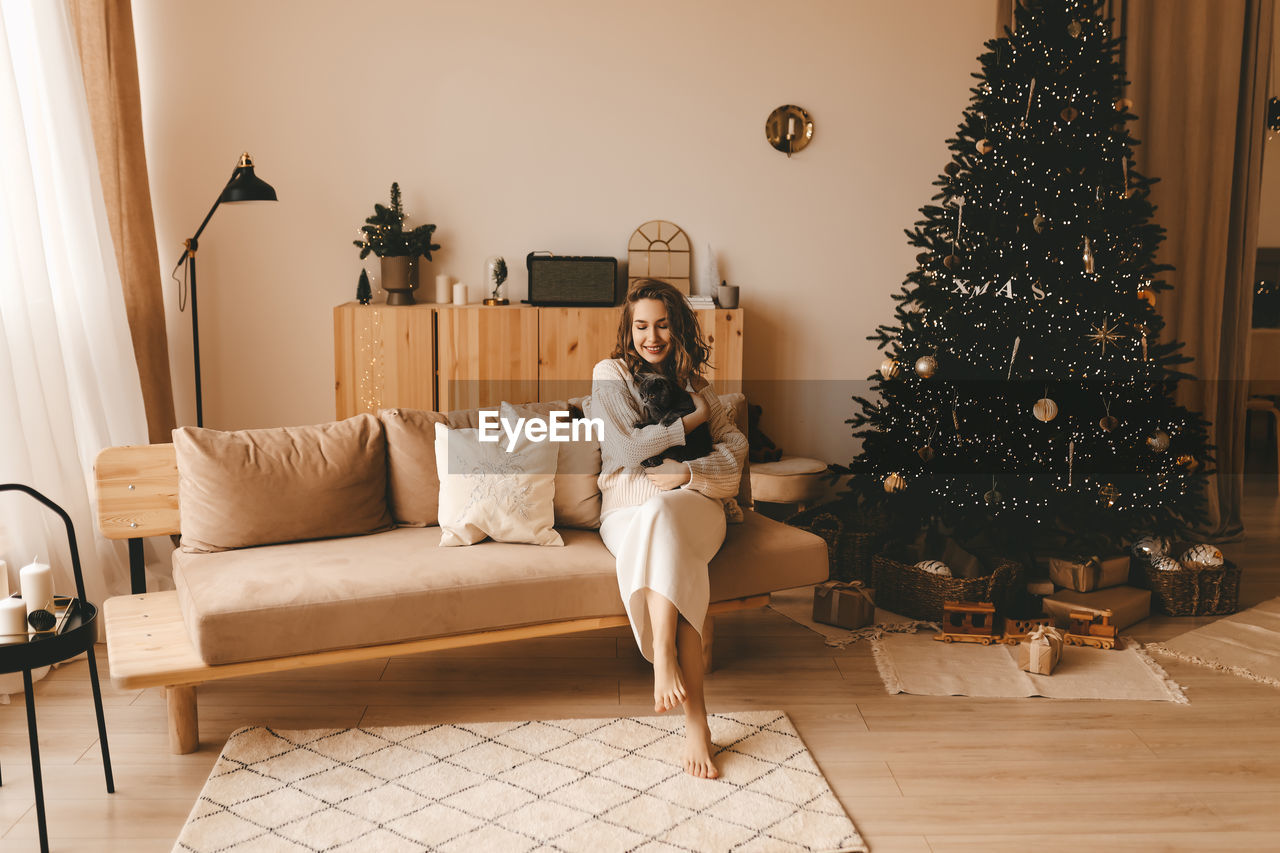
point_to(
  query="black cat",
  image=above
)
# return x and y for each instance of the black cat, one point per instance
(664, 402)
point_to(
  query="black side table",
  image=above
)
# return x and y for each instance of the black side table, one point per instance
(78, 633)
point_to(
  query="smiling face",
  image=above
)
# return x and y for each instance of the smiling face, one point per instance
(650, 331)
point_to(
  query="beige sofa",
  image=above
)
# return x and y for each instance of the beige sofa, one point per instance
(251, 608)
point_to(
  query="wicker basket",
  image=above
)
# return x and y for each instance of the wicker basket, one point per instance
(850, 550)
(902, 588)
(1196, 590)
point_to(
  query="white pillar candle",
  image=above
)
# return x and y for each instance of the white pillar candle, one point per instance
(4, 579)
(444, 289)
(36, 583)
(459, 294)
(13, 616)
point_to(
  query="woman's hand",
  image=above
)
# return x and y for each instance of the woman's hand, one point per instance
(699, 416)
(669, 475)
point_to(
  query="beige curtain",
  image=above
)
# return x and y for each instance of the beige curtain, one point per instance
(104, 30)
(1198, 73)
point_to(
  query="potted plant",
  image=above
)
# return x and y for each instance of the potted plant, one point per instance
(495, 275)
(398, 249)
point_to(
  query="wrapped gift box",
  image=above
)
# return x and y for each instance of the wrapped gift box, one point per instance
(1041, 650)
(1090, 573)
(845, 605)
(1127, 604)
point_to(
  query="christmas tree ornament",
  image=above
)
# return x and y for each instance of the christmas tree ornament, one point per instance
(993, 496)
(1030, 92)
(1045, 409)
(1108, 494)
(1074, 29)
(951, 169)
(1203, 555)
(1126, 190)
(894, 483)
(1071, 463)
(1144, 343)
(934, 567)
(1166, 564)
(926, 453)
(984, 146)
(1087, 256)
(1069, 114)
(1158, 441)
(1012, 356)
(1104, 334)
(1147, 295)
(951, 262)
(1108, 423)
(888, 368)
(1038, 223)
(1150, 547)
(924, 258)
(1122, 104)
(1189, 462)
(926, 366)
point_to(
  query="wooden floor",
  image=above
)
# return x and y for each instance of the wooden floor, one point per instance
(914, 773)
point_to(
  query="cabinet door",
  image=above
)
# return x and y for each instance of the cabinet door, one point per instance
(571, 341)
(722, 329)
(383, 357)
(486, 355)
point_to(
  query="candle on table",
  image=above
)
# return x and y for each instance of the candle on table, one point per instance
(444, 289)
(4, 579)
(459, 294)
(13, 616)
(36, 583)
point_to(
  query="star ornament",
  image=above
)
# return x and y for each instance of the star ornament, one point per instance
(1105, 333)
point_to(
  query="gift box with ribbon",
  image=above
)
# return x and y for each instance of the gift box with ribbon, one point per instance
(1127, 605)
(1085, 574)
(1041, 650)
(845, 605)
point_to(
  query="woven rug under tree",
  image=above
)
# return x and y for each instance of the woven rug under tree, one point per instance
(557, 785)
(1246, 644)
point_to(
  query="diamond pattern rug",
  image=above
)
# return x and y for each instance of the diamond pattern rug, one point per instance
(554, 785)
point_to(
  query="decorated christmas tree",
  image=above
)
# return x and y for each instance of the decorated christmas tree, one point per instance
(1026, 391)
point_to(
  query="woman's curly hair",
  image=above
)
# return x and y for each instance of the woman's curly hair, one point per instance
(689, 350)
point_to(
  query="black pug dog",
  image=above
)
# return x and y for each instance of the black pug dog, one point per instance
(664, 402)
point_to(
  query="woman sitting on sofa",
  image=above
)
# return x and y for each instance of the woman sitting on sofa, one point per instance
(665, 523)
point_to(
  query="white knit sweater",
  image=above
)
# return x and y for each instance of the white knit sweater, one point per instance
(616, 401)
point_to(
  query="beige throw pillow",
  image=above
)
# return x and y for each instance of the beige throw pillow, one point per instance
(412, 482)
(577, 500)
(264, 486)
(487, 490)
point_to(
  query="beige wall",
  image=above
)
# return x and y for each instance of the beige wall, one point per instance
(558, 124)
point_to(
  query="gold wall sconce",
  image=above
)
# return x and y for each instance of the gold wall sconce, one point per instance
(789, 129)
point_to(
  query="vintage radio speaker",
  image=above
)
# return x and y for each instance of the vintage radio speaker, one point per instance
(571, 280)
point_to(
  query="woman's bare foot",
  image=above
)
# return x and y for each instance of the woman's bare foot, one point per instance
(668, 686)
(697, 750)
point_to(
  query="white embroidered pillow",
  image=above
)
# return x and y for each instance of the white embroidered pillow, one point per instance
(486, 491)
(577, 501)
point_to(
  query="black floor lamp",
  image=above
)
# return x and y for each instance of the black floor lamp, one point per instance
(243, 186)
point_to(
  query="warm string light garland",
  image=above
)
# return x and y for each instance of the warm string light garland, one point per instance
(1056, 247)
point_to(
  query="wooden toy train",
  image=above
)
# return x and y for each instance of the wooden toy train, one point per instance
(976, 622)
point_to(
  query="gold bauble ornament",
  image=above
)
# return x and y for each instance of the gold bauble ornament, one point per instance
(984, 146)
(1148, 296)
(1123, 104)
(926, 366)
(1069, 114)
(1108, 494)
(1109, 423)
(1188, 462)
(894, 483)
(1038, 223)
(1045, 409)
(924, 258)
(951, 262)
(888, 368)
(993, 497)
(1158, 441)
(926, 453)
(1074, 29)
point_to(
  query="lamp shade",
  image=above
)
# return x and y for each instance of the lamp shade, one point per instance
(246, 186)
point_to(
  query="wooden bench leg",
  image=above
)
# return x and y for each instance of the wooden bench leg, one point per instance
(708, 634)
(184, 726)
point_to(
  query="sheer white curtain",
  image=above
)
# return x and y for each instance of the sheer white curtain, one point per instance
(68, 380)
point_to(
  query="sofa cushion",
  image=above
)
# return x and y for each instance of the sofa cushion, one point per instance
(415, 483)
(262, 486)
(502, 492)
(396, 586)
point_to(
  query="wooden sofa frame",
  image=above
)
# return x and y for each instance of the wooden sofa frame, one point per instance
(148, 644)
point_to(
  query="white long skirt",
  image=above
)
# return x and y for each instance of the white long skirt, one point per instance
(665, 545)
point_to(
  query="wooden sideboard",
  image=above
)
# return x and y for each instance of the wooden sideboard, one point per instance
(445, 357)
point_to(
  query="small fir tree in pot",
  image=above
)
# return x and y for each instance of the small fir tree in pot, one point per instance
(497, 274)
(384, 236)
(364, 293)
